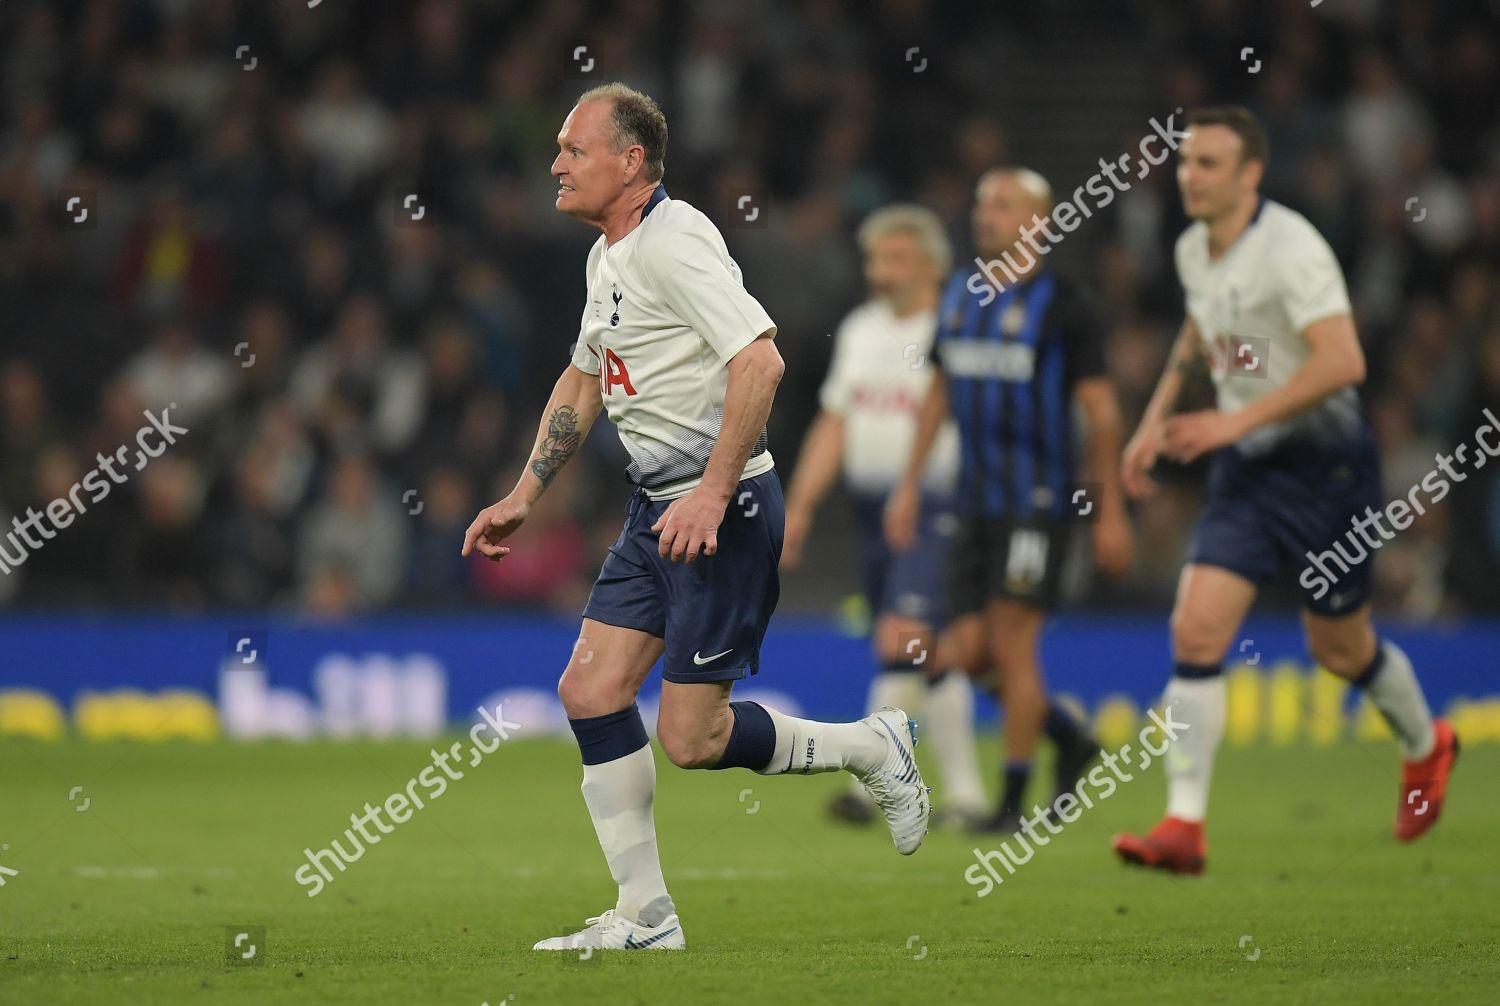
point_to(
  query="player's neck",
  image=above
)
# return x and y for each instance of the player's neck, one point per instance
(1224, 231)
(624, 215)
(906, 308)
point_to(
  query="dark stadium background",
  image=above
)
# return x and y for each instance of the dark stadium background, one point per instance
(245, 165)
(260, 205)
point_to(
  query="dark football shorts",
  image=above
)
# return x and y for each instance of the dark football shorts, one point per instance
(1019, 559)
(1265, 515)
(712, 612)
(908, 583)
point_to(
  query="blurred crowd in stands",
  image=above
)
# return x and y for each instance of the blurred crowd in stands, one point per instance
(326, 234)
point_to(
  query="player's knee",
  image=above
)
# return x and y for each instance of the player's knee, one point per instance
(582, 696)
(1348, 657)
(1197, 638)
(687, 749)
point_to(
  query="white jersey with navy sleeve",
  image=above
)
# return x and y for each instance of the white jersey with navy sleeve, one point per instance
(879, 376)
(666, 312)
(1251, 307)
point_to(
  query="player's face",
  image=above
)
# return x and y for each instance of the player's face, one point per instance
(897, 269)
(1213, 179)
(590, 175)
(1002, 207)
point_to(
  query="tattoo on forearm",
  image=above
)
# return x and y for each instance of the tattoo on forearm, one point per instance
(558, 445)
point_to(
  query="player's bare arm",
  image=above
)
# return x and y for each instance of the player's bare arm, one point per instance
(1141, 452)
(1336, 361)
(1114, 542)
(570, 412)
(817, 469)
(903, 508)
(692, 522)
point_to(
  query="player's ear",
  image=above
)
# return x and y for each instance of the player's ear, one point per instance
(635, 160)
(1253, 172)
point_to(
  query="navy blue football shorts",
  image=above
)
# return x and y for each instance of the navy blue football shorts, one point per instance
(1266, 515)
(907, 583)
(712, 612)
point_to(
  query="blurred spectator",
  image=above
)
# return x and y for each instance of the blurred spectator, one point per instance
(174, 370)
(244, 257)
(255, 557)
(164, 560)
(436, 575)
(70, 568)
(354, 534)
(25, 430)
(168, 265)
(357, 390)
(550, 556)
(346, 130)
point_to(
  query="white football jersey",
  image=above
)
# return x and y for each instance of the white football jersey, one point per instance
(877, 380)
(1252, 306)
(666, 312)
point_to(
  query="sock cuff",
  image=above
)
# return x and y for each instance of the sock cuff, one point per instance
(1368, 675)
(1196, 672)
(752, 738)
(611, 736)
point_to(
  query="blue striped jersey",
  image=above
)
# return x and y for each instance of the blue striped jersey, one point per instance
(1011, 365)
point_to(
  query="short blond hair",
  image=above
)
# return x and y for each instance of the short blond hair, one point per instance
(636, 118)
(918, 221)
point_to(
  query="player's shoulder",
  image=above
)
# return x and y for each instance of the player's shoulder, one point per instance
(1285, 225)
(1192, 245)
(866, 317)
(670, 219)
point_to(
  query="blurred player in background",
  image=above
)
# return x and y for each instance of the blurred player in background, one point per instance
(1012, 361)
(683, 358)
(1294, 467)
(865, 427)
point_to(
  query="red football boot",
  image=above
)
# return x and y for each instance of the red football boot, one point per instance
(1424, 784)
(1174, 845)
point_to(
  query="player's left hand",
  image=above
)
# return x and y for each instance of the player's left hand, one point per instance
(690, 523)
(1194, 434)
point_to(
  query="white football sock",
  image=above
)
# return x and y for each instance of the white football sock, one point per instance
(948, 718)
(1198, 702)
(804, 747)
(1397, 694)
(902, 689)
(619, 795)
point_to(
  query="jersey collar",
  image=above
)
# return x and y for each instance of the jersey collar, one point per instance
(1260, 207)
(657, 197)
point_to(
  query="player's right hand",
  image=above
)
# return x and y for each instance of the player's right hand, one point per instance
(1140, 456)
(901, 513)
(494, 524)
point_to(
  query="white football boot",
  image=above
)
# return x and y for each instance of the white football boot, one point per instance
(611, 932)
(896, 785)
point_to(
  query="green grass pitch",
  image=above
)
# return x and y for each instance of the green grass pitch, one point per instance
(1308, 898)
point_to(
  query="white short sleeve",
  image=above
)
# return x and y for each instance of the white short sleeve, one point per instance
(584, 359)
(1311, 279)
(694, 276)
